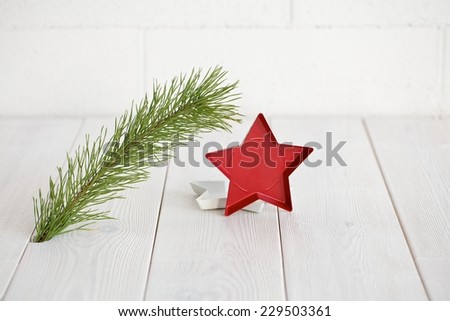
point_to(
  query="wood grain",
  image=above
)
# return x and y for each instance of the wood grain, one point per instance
(415, 157)
(109, 263)
(203, 255)
(343, 240)
(30, 150)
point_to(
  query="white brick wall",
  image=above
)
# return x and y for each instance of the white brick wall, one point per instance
(67, 72)
(348, 57)
(446, 74)
(144, 13)
(312, 71)
(359, 13)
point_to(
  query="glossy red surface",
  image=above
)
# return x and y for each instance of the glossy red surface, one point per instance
(259, 168)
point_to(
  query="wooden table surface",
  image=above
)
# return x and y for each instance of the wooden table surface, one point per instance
(376, 229)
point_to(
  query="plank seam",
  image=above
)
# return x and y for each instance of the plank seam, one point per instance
(83, 120)
(156, 232)
(283, 271)
(394, 205)
(282, 257)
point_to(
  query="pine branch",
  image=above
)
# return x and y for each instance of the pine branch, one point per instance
(186, 106)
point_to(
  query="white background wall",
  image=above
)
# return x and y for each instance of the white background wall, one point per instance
(312, 57)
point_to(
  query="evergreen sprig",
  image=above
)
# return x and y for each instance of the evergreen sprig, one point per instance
(187, 106)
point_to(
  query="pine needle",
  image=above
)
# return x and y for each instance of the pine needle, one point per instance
(187, 106)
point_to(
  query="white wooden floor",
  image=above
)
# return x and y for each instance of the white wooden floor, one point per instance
(377, 229)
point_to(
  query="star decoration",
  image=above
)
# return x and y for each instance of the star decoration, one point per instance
(259, 168)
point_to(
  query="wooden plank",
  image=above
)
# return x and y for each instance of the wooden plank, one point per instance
(203, 255)
(31, 150)
(108, 263)
(343, 240)
(415, 157)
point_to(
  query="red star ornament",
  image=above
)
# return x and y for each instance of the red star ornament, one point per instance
(259, 168)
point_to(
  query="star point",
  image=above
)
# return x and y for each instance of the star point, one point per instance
(259, 168)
